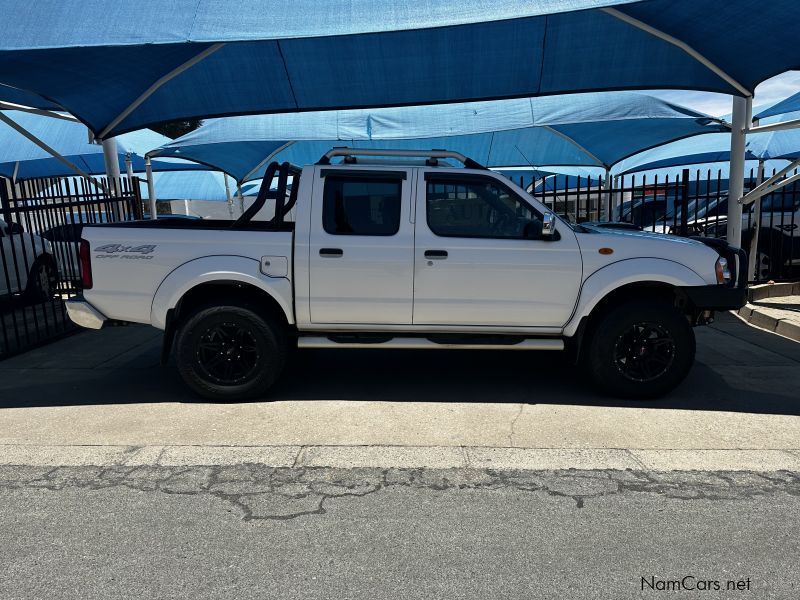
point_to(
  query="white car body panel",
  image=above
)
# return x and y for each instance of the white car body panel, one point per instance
(632, 270)
(373, 281)
(218, 268)
(494, 282)
(127, 282)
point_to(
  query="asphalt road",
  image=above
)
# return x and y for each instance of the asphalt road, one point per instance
(254, 532)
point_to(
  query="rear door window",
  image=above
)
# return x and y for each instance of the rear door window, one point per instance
(361, 205)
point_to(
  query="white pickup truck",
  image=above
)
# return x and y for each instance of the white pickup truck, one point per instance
(401, 253)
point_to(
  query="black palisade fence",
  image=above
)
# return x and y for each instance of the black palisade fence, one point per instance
(39, 242)
(692, 203)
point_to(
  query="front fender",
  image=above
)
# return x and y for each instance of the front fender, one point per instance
(634, 270)
(217, 268)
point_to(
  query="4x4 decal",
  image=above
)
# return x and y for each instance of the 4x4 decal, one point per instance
(115, 248)
(142, 252)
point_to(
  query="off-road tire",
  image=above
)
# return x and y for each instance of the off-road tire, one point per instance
(619, 340)
(209, 335)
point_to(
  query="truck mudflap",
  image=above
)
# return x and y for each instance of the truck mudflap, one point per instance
(730, 296)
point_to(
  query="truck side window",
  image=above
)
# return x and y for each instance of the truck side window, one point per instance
(361, 206)
(477, 207)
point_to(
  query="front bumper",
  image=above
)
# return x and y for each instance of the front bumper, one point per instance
(84, 314)
(716, 297)
(732, 296)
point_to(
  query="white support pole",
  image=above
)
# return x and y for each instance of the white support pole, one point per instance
(607, 195)
(241, 198)
(740, 121)
(111, 159)
(773, 183)
(129, 166)
(228, 194)
(751, 266)
(782, 126)
(151, 188)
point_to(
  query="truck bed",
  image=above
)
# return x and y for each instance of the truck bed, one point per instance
(131, 261)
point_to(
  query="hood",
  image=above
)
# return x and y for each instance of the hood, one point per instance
(628, 244)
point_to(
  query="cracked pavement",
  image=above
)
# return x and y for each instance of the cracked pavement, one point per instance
(252, 531)
(260, 492)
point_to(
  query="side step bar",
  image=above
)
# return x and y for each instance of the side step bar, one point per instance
(419, 343)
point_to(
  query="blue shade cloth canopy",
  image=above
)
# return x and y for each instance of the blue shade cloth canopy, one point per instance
(715, 147)
(22, 157)
(188, 185)
(23, 98)
(787, 105)
(204, 58)
(592, 129)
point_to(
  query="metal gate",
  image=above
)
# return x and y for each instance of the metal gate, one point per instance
(39, 250)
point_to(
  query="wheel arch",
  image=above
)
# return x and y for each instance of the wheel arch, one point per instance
(626, 280)
(217, 279)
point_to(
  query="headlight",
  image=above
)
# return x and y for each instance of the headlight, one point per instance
(722, 270)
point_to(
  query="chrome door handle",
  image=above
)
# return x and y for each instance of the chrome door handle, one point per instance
(436, 254)
(331, 252)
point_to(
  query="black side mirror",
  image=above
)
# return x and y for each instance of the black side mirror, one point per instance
(532, 230)
(15, 228)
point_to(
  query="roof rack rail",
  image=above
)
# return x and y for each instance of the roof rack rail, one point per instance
(432, 155)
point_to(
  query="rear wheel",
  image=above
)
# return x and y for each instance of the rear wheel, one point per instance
(640, 350)
(42, 280)
(230, 352)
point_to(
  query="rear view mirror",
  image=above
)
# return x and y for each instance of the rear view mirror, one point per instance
(548, 225)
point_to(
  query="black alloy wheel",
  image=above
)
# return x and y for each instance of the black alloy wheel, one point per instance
(227, 354)
(639, 349)
(230, 352)
(644, 352)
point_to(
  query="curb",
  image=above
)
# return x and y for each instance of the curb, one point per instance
(403, 457)
(757, 317)
(772, 290)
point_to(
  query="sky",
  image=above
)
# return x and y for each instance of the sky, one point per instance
(769, 92)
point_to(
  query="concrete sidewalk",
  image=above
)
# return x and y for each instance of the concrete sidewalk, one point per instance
(774, 307)
(101, 397)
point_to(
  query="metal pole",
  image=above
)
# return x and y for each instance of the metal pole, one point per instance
(151, 188)
(606, 196)
(111, 158)
(112, 163)
(228, 194)
(742, 115)
(751, 266)
(241, 198)
(129, 166)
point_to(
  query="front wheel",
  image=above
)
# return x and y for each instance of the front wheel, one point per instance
(230, 352)
(640, 350)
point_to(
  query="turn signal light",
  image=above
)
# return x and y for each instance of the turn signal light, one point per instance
(86, 265)
(722, 270)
